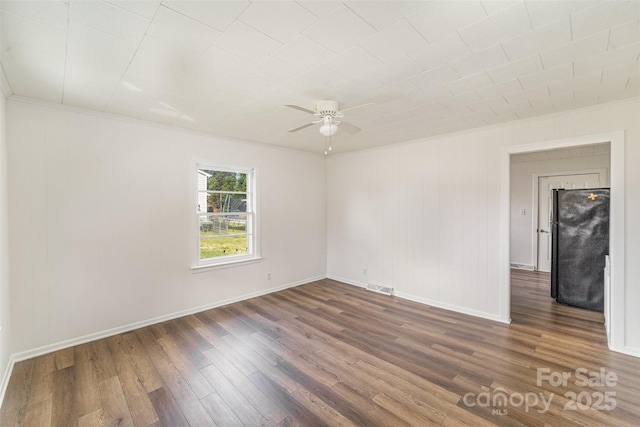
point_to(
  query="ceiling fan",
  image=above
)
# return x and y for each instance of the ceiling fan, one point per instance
(330, 115)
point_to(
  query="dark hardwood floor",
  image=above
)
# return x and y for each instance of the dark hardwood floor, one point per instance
(330, 354)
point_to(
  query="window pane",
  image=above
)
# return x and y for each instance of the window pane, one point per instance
(225, 181)
(222, 246)
(226, 185)
(217, 225)
(229, 202)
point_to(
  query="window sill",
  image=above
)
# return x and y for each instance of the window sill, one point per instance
(221, 265)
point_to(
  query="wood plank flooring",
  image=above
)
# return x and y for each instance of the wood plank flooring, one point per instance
(330, 354)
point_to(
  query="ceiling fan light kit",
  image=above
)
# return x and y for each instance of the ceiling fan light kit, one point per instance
(328, 128)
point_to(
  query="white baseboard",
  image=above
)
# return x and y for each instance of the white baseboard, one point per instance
(347, 281)
(451, 307)
(5, 378)
(629, 351)
(518, 266)
(24, 355)
(426, 301)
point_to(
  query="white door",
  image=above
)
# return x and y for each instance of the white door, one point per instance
(545, 204)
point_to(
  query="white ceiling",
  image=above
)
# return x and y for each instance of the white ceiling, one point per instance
(228, 67)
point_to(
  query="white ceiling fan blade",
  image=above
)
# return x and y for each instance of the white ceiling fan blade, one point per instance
(297, 107)
(302, 127)
(357, 106)
(349, 128)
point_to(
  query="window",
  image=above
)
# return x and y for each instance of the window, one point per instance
(226, 215)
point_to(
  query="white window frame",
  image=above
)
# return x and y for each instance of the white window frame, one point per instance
(253, 246)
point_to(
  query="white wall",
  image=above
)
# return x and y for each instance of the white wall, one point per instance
(5, 311)
(109, 244)
(424, 217)
(523, 168)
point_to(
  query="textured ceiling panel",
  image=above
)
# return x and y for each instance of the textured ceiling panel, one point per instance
(229, 67)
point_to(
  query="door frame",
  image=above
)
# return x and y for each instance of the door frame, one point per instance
(616, 340)
(534, 207)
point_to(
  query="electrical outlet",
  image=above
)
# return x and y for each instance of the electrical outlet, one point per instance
(523, 211)
(268, 276)
(364, 271)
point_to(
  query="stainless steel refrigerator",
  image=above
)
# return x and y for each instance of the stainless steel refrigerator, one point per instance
(579, 244)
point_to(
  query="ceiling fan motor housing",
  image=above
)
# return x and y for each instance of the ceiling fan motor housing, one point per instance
(328, 108)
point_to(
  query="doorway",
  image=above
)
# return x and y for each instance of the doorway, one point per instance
(546, 184)
(616, 296)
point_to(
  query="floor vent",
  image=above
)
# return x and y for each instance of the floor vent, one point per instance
(385, 290)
